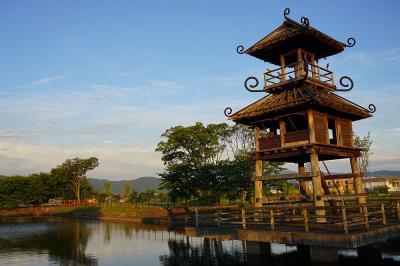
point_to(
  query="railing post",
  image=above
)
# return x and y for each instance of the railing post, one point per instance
(271, 213)
(305, 217)
(383, 214)
(319, 73)
(345, 225)
(218, 218)
(365, 213)
(398, 211)
(243, 218)
(196, 217)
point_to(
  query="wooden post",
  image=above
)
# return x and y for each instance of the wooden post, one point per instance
(271, 214)
(317, 186)
(302, 183)
(283, 68)
(311, 132)
(196, 217)
(383, 214)
(258, 186)
(218, 218)
(282, 131)
(398, 211)
(357, 180)
(243, 212)
(305, 217)
(344, 216)
(365, 213)
(300, 60)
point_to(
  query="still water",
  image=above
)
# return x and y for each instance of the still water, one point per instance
(62, 241)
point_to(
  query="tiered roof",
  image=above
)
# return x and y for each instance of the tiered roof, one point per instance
(297, 99)
(290, 36)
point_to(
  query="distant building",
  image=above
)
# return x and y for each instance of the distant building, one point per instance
(375, 182)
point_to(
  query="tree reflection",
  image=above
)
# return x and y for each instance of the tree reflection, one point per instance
(65, 243)
(210, 253)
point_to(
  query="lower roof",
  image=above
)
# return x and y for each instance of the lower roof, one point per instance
(297, 99)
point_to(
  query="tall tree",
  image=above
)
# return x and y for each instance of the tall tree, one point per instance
(365, 144)
(196, 145)
(126, 190)
(75, 170)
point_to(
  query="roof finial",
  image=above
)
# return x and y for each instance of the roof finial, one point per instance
(351, 42)
(252, 86)
(286, 13)
(346, 82)
(240, 49)
(305, 21)
(372, 108)
(227, 111)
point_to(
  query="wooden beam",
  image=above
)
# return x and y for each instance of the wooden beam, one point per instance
(339, 176)
(307, 175)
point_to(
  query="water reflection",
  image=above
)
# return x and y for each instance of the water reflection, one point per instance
(46, 241)
(210, 252)
(64, 242)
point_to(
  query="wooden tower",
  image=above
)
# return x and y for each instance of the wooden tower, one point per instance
(301, 119)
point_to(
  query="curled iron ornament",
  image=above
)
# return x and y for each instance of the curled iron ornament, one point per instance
(252, 86)
(351, 42)
(347, 83)
(286, 12)
(372, 108)
(305, 21)
(240, 49)
(228, 111)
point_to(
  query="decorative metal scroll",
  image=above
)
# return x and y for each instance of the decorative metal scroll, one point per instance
(351, 42)
(228, 111)
(240, 49)
(252, 86)
(347, 83)
(304, 21)
(286, 13)
(372, 108)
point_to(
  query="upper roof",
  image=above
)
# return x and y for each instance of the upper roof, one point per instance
(290, 36)
(295, 99)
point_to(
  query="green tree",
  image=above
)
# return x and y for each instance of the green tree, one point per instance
(195, 145)
(75, 170)
(126, 191)
(365, 144)
(237, 173)
(181, 180)
(133, 196)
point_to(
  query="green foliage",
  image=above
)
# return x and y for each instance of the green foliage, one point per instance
(195, 145)
(194, 168)
(107, 188)
(365, 144)
(19, 191)
(75, 170)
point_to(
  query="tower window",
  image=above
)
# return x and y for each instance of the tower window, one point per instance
(332, 131)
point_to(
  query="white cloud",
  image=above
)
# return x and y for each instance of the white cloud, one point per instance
(50, 79)
(116, 162)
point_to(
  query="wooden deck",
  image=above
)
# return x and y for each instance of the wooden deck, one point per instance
(344, 225)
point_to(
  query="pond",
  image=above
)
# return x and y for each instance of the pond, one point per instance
(64, 241)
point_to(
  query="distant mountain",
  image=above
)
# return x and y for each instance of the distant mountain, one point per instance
(140, 184)
(384, 173)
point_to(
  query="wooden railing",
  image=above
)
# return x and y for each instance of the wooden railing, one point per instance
(298, 70)
(346, 217)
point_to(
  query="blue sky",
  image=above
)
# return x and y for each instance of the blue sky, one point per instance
(106, 78)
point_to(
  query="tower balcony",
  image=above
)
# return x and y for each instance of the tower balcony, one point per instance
(276, 79)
